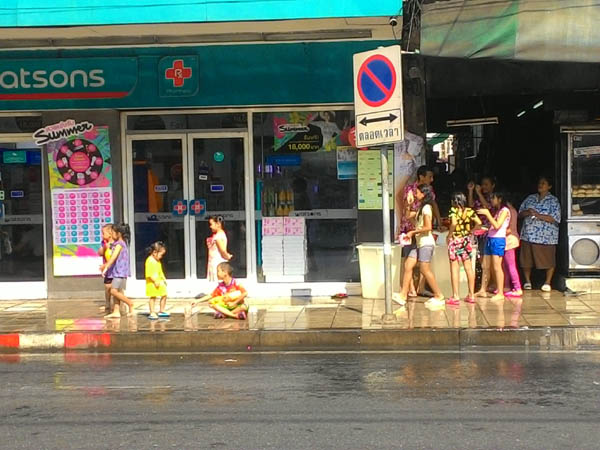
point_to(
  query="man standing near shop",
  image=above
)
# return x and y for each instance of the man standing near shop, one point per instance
(539, 235)
(424, 176)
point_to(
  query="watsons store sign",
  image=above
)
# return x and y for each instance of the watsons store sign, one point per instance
(67, 78)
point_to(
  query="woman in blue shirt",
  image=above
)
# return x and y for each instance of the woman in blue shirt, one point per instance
(539, 236)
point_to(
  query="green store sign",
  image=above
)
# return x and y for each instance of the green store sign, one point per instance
(179, 77)
(67, 78)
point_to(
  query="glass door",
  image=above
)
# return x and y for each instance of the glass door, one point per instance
(22, 245)
(160, 190)
(217, 184)
(176, 181)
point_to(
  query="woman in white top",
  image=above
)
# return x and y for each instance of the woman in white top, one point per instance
(422, 245)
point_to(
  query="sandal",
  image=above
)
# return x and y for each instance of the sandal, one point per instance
(242, 315)
(527, 286)
(452, 301)
(219, 315)
(339, 296)
(469, 300)
(513, 294)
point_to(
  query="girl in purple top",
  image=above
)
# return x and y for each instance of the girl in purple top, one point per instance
(117, 268)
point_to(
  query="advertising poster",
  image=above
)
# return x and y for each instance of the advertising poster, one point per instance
(347, 163)
(80, 175)
(369, 179)
(311, 131)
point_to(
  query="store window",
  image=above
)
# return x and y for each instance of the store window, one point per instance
(306, 192)
(585, 175)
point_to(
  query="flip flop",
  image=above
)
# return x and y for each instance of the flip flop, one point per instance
(339, 296)
(152, 317)
(164, 314)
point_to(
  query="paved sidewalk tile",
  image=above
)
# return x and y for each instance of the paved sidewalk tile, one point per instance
(534, 309)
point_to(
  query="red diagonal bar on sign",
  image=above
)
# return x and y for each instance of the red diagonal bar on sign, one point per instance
(376, 80)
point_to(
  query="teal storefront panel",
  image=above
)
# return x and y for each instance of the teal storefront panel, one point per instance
(38, 13)
(208, 76)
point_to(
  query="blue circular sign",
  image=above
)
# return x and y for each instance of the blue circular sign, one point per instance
(376, 80)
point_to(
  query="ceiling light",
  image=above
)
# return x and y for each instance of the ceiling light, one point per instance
(522, 113)
(472, 122)
(538, 104)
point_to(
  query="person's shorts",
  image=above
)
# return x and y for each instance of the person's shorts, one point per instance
(421, 254)
(108, 280)
(460, 248)
(119, 283)
(219, 301)
(494, 246)
(539, 256)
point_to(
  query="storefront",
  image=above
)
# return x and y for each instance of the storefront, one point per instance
(168, 136)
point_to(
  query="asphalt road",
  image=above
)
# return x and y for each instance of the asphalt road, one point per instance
(441, 401)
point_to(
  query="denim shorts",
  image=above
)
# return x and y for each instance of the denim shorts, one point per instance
(494, 246)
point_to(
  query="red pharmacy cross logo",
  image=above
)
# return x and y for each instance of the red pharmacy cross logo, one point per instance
(178, 73)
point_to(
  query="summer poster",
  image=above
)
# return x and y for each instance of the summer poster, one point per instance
(80, 174)
(311, 131)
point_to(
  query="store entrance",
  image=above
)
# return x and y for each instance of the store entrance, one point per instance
(22, 249)
(176, 181)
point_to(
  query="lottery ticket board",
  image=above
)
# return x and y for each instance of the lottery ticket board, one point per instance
(80, 174)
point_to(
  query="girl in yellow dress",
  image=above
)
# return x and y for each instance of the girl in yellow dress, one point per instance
(156, 283)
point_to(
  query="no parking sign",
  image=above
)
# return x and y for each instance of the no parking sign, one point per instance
(378, 96)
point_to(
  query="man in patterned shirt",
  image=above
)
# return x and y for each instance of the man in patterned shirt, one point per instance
(539, 236)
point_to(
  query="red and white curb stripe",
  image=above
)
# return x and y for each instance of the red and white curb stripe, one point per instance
(54, 341)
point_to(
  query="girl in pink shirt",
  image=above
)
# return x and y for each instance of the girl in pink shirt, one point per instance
(496, 241)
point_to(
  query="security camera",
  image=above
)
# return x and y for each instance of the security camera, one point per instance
(393, 21)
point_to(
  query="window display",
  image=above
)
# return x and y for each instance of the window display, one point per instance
(585, 175)
(305, 169)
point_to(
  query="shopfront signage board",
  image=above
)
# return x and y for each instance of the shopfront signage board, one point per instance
(378, 97)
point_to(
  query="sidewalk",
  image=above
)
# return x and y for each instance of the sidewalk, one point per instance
(538, 320)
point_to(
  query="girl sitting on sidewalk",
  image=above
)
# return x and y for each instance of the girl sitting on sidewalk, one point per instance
(228, 297)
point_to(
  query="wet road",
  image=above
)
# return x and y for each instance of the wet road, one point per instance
(441, 401)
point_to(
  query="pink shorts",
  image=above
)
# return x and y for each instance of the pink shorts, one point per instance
(460, 248)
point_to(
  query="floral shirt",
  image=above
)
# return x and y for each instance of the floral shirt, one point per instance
(406, 224)
(539, 231)
(464, 221)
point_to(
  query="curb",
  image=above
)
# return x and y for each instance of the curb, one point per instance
(575, 338)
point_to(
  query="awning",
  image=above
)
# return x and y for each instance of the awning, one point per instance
(535, 30)
(45, 13)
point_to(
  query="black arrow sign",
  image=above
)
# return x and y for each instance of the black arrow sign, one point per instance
(389, 118)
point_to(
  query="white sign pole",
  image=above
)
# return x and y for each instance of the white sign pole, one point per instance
(379, 121)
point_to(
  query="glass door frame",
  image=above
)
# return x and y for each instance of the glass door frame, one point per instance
(248, 195)
(190, 285)
(30, 290)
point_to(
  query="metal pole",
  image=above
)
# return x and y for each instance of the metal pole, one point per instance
(387, 242)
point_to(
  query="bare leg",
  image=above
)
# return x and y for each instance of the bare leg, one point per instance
(108, 304)
(454, 276)
(527, 273)
(428, 275)
(163, 303)
(151, 305)
(549, 274)
(120, 296)
(485, 268)
(409, 266)
(470, 276)
(499, 275)
(399, 195)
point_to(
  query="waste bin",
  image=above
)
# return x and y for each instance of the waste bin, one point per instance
(372, 279)
(440, 266)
